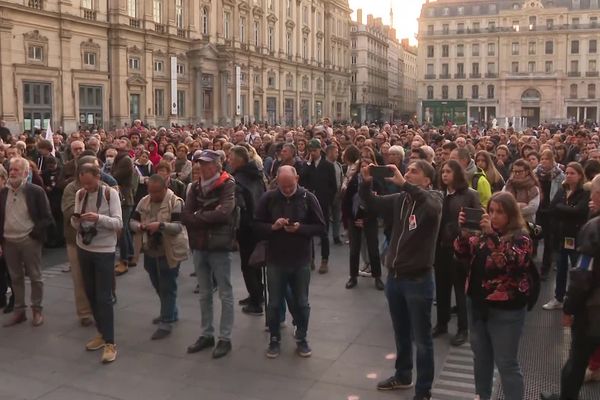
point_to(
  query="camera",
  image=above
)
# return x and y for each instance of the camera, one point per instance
(154, 240)
(88, 234)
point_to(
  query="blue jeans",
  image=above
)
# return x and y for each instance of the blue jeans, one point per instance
(495, 340)
(126, 240)
(410, 304)
(562, 271)
(298, 280)
(164, 281)
(217, 264)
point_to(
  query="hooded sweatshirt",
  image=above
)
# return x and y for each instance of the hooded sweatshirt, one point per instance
(154, 156)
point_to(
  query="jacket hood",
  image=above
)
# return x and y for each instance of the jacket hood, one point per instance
(471, 168)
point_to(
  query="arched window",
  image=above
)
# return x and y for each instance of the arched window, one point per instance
(460, 92)
(573, 91)
(445, 92)
(531, 95)
(205, 21)
(429, 92)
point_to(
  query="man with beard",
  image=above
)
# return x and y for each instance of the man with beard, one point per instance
(249, 188)
(24, 218)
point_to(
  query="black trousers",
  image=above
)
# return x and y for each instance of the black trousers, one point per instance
(573, 372)
(5, 282)
(252, 276)
(450, 273)
(370, 230)
(550, 246)
(324, 238)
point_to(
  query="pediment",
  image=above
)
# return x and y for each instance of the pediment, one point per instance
(89, 44)
(136, 80)
(35, 36)
(134, 50)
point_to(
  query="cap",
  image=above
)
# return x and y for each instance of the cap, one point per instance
(314, 144)
(206, 156)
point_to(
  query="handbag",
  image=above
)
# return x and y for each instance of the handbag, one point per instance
(258, 258)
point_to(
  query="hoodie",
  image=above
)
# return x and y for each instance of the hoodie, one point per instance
(249, 188)
(154, 156)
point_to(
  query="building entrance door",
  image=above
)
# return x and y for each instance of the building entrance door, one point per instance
(532, 114)
(134, 106)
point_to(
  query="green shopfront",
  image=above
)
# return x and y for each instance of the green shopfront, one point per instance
(441, 112)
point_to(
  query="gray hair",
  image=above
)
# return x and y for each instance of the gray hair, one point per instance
(286, 170)
(397, 150)
(24, 163)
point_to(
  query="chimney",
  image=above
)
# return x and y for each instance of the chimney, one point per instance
(359, 16)
(405, 43)
(370, 19)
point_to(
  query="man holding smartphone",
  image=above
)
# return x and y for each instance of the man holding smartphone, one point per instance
(416, 211)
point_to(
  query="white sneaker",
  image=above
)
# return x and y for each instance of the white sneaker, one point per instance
(553, 305)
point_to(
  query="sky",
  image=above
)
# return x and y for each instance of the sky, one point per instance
(406, 13)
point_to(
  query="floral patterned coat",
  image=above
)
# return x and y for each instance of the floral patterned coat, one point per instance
(505, 273)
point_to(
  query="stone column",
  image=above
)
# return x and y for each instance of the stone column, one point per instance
(199, 114)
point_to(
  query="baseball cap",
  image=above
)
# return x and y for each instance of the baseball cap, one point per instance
(206, 156)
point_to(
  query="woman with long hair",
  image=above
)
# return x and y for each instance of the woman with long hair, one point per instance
(561, 153)
(450, 273)
(524, 186)
(498, 289)
(550, 177)
(484, 161)
(569, 208)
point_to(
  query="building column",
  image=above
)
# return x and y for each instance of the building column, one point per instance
(199, 96)
(66, 114)
(8, 106)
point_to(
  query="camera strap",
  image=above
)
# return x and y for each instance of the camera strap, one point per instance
(98, 201)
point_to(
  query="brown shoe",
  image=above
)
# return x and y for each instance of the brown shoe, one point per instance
(86, 321)
(323, 269)
(96, 343)
(109, 354)
(38, 318)
(17, 318)
(121, 268)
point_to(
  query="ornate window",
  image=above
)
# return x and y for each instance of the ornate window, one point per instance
(36, 47)
(205, 17)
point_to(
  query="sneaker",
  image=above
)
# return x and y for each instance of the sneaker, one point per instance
(591, 376)
(274, 348)
(303, 349)
(365, 271)
(553, 305)
(38, 318)
(394, 383)
(252, 309)
(109, 354)
(95, 344)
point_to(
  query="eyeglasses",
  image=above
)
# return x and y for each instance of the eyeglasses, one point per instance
(518, 171)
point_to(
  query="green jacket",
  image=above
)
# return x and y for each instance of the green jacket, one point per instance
(483, 187)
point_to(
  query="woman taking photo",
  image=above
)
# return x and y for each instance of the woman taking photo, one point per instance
(499, 259)
(523, 185)
(484, 161)
(569, 210)
(450, 273)
(550, 177)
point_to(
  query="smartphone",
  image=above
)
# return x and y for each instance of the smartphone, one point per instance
(380, 172)
(473, 218)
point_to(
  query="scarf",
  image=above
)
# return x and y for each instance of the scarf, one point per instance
(524, 189)
(547, 175)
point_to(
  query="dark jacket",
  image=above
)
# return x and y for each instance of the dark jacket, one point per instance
(289, 249)
(67, 174)
(177, 187)
(569, 214)
(416, 213)
(38, 208)
(321, 182)
(453, 203)
(211, 215)
(122, 171)
(249, 187)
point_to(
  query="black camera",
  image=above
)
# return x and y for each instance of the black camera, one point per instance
(88, 234)
(155, 240)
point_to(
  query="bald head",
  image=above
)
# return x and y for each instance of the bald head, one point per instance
(287, 180)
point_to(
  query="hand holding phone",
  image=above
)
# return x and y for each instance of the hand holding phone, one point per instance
(380, 172)
(472, 218)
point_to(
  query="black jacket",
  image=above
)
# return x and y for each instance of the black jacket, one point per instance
(38, 207)
(321, 182)
(416, 213)
(289, 249)
(249, 187)
(453, 203)
(570, 214)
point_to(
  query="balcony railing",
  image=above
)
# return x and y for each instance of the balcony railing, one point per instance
(134, 23)
(429, 76)
(37, 4)
(160, 28)
(491, 75)
(460, 76)
(475, 76)
(89, 14)
(574, 74)
(444, 76)
(592, 74)
(509, 29)
(182, 33)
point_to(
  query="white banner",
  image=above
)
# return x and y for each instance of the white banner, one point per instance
(238, 90)
(173, 85)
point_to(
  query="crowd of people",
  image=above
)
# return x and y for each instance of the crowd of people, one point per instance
(447, 209)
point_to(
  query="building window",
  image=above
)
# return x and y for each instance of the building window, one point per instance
(574, 66)
(288, 43)
(460, 69)
(89, 59)
(445, 11)
(179, 13)
(159, 102)
(157, 11)
(318, 20)
(460, 92)
(476, 27)
(549, 68)
(305, 83)
(461, 10)
(305, 15)
(475, 68)
(429, 92)
(491, 49)
(574, 46)
(575, 22)
(353, 43)
(305, 48)
(445, 70)
(353, 60)
(591, 91)
(430, 29)
(532, 22)
(319, 52)
(445, 92)
(515, 49)
(531, 67)
(132, 8)
(134, 63)
(430, 51)
(180, 69)
(180, 103)
(515, 26)
(256, 33)
(271, 39)
(205, 18)
(289, 82)
(490, 91)
(460, 27)
(445, 29)
(514, 67)
(549, 47)
(226, 24)
(531, 48)
(271, 80)
(159, 66)
(35, 53)
(271, 5)
(460, 50)
(87, 4)
(593, 45)
(475, 91)
(491, 68)
(289, 8)
(573, 91)
(445, 50)
(243, 29)
(475, 50)
(549, 23)
(592, 65)
(430, 69)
